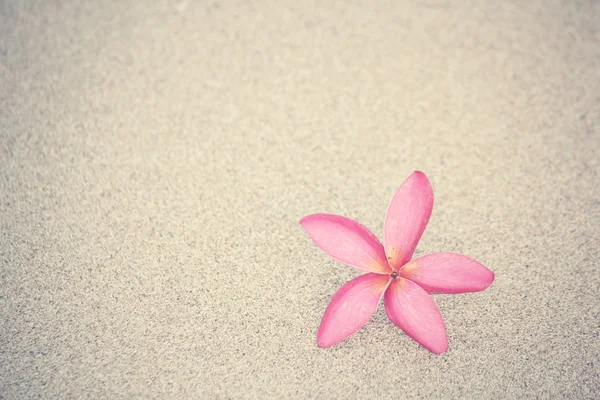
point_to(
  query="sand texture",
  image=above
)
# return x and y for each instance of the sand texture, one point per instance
(156, 157)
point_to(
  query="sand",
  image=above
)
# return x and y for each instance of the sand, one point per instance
(155, 159)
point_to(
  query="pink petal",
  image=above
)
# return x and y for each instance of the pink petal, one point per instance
(414, 311)
(448, 273)
(406, 219)
(351, 307)
(347, 241)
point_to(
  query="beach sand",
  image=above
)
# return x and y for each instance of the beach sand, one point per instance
(155, 159)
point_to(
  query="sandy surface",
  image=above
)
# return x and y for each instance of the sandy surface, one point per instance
(155, 161)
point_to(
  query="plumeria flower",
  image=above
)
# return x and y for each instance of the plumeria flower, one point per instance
(404, 284)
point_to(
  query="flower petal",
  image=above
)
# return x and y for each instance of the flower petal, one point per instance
(406, 219)
(448, 273)
(347, 241)
(415, 312)
(351, 307)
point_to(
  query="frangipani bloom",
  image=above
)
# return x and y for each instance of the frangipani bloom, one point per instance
(404, 284)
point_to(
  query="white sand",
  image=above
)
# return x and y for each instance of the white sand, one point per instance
(155, 160)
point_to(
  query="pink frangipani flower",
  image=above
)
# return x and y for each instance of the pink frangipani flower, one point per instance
(404, 284)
